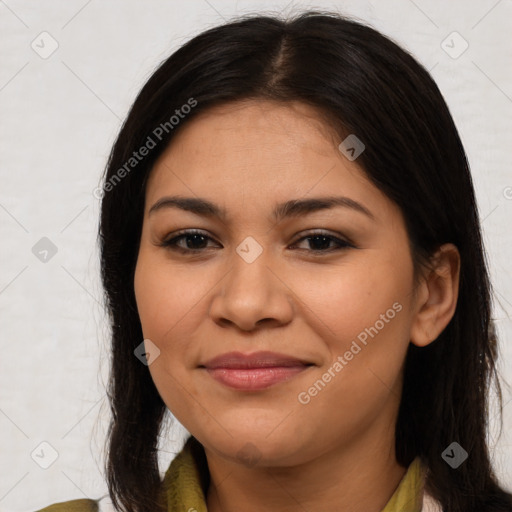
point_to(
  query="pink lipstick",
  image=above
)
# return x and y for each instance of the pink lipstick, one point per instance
(256, 371)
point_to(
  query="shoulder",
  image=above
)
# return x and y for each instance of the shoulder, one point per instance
(84, 505)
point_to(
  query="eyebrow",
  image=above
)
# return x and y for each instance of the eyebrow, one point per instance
(291, 208)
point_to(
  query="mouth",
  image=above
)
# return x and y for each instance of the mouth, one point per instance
(253, 372)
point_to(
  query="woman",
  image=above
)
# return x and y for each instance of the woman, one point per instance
(293, 263)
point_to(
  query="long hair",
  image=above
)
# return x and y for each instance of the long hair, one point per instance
(363, 83)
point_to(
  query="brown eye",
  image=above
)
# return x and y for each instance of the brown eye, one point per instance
(320, 242)
(194, 241)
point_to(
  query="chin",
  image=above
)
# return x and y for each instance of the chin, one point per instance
(253, 447)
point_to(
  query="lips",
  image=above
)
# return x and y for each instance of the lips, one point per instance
(255, 360)
(254, 372)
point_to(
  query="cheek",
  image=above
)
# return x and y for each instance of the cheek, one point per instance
(165, 301)
(362, 321)
(164, 295)
(361, 314)
(172, 305)
(345, 300)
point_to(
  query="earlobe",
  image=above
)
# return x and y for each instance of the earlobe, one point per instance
(437, 298)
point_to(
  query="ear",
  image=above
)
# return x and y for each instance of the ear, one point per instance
(436, 298)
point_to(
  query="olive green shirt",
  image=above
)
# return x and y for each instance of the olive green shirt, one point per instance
(187, 480)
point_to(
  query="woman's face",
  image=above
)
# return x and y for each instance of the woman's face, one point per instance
(340, 301)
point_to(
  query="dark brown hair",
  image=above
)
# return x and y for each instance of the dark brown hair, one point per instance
(365, 84)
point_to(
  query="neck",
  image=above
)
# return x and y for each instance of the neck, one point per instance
(360, 476)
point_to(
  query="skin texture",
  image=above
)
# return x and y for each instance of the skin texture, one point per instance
(335, 452)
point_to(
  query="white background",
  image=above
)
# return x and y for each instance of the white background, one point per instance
(59, 117)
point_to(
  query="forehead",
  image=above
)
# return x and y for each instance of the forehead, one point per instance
(242, 127)
(261, 150)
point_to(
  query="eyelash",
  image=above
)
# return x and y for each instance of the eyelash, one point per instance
(172, 242)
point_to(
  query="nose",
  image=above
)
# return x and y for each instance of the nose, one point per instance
(251, 294)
